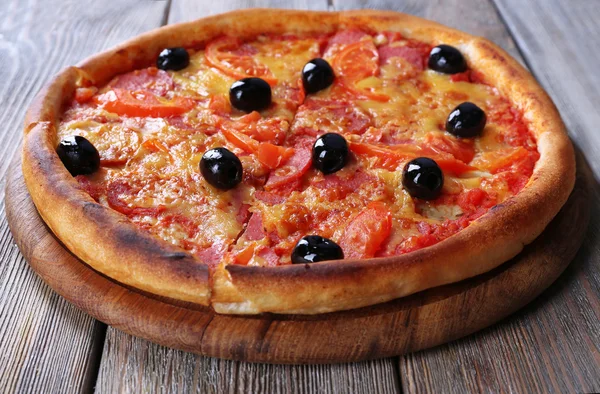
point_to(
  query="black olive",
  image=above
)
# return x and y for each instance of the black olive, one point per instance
(317, 75)
(173, 59)
(447, 60)
(330, 153)
(250, 94)
(465, 121)
(314, 248)
(423, 178)
(78, 155)
(221, 168)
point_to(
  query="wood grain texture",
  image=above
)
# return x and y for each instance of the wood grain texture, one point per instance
(553, 345)
(560, 43)
(134, 364)
(46, 344)
(187, 10)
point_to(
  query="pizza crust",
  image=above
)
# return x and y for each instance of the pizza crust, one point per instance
(106, 239)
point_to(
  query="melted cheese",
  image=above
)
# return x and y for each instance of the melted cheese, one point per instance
(150, 165)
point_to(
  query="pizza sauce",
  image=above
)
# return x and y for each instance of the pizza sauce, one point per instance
(371, 143)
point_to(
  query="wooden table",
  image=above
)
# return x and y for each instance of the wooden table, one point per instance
(47, 345)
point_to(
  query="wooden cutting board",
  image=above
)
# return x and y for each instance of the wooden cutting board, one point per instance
(422, 320)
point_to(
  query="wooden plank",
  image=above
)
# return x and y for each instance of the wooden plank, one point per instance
(560, 43)
(46, 344)
(187, 10)
(131, 363)
(552, 345)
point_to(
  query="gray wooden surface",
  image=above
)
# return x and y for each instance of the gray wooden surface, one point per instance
(46, 345)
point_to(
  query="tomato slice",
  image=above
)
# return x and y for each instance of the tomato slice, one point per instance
(384, 157)
(142, 103)
(391, 157)
(365, 234)
(241, 140)
(273, 156)
(154, 145)
(461, 149)
(357, 61)
(237, 66)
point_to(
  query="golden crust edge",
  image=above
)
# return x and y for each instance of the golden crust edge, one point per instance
(335, 286)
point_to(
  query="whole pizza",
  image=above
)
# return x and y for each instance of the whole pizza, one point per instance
(296, 162)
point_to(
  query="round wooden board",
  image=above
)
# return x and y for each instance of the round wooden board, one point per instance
(417, 322)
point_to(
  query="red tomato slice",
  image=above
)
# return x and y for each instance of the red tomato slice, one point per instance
(365, 234)
(450, 164)
(154, 145)
(218, 54)
(390, 158)
(357, 61)
(142, 103)
(385, 157)
(269, 155)
(461, 149)
(273, 156)
(241, 140)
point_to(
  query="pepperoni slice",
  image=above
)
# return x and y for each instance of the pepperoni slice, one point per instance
(331, 116)
(414, 56)
(338, 187)
(365, 234)
(255, 230)
(288, 177)
(270, 257)
(115, 142)
(118, 188)
(230, 56)
(268, 198)
(150, 79)
(212, 255)
(93, 189)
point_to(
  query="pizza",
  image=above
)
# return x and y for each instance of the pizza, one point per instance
(295, 161)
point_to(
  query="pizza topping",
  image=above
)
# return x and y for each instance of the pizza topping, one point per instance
(447, 59)
(221, 168)
(314, 248)
(367, 93)
(78, 155)
(330, 153)
(423, 178)
(143, 103)
(235, 59)
(466, 121)
(173, 59)
(250, 94)
(151, 79)
(317, 75)
(366, 233)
